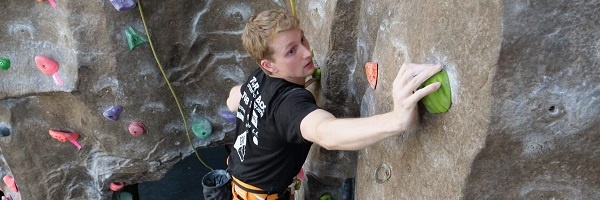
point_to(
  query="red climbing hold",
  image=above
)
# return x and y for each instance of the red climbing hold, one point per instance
(116, 186)
(48, 66)
(10, 183)
(371, 69)
(136, 128)
(64, 136)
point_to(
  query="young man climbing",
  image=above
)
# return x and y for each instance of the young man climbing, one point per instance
(278, 120)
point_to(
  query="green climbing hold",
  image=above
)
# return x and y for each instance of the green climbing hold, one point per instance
(4, 63)
(201, 127)
(326, 197)
(317, 74)
(125, 196)
(440, 100)
(134, 38)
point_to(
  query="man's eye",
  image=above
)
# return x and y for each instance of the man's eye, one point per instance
(291, 51)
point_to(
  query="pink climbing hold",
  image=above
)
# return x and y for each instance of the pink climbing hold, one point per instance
(64, 136)
(136, 128)
(10, 183)
(116, 186)
(48, 66)
(52, 3)
(301, 174)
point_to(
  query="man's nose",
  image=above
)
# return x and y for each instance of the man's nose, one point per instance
(306, 52)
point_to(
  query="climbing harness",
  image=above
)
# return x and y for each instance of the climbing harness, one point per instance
(170, 87)
(244, 191)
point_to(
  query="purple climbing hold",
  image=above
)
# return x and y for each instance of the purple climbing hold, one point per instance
(228, 115)
(113, 113)
(121, 5)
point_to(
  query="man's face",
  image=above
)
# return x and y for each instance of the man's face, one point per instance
(291, 59)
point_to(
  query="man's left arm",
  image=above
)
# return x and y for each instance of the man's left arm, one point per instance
(233, 101)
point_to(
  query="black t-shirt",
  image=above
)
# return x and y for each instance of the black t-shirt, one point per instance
(269, 149)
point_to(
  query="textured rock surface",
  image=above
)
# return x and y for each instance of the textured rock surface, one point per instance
(524, 123)
(198, 45)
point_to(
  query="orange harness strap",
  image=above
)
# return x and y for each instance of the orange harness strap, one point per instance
(244, 191)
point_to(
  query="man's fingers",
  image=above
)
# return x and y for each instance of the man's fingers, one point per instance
(420, 93)
(423, 75)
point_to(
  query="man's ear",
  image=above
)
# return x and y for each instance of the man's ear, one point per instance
(267, 65)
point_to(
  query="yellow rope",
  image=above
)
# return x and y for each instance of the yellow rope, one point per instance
(169, 84)
(293, 5)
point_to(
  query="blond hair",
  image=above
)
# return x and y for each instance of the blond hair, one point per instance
(262, 29)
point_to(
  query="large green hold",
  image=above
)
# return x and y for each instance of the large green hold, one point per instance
(440, 100)
(4, 63)
(201, 128)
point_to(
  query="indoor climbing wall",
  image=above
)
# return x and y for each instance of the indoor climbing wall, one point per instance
(84, 106)
(524, 117)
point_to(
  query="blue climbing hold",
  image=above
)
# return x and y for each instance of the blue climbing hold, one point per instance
(228, 116)
(134, 39)
(201, 128)
(121, 5)
(4, 131)
(4, 63)
(113, 113)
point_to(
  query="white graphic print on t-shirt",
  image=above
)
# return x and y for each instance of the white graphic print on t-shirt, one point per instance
(250, 121)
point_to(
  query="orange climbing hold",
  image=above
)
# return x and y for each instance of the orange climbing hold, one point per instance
(371, 69)
(10, 183)
(116, 186)
(64, 136)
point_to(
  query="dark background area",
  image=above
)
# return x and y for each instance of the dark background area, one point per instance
(184, 180)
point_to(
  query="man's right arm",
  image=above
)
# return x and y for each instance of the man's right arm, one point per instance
(233, 101)
(323, 128)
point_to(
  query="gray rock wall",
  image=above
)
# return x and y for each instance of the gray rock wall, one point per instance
(524, 76)
(198, 45)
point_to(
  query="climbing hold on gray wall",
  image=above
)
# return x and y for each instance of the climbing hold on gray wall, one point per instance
(48, 66)
(65, 136)
(10, 183)
(326, 197)
(113, 113)
(201, 127)
(121, 5)
(4, 63)
(136, 128)
(134, 39)
(371, 70)
(317, 74)
(116, 186)
(440, 100)
(228, 115)
(4, 131)
(125, 196)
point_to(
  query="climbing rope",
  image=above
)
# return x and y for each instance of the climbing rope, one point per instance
(293, 5)
(170, 87)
